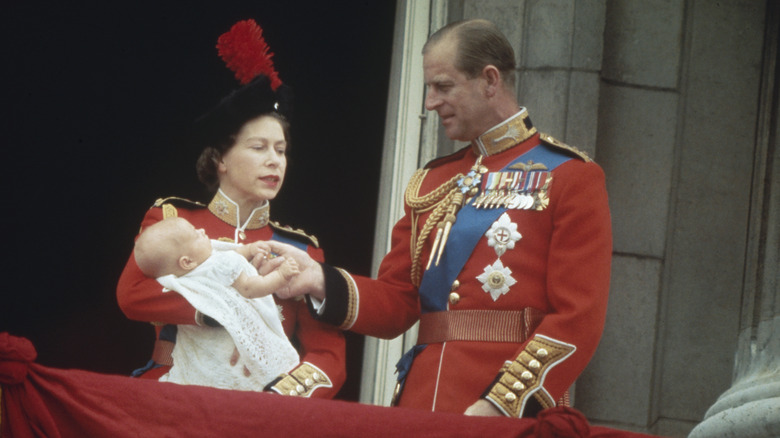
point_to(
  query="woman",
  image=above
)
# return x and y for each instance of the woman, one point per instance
(244, 161)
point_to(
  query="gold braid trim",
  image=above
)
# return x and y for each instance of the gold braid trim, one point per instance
(524, 377)
(169, 211)
(301, 381)
(438, 200)
(352, 301)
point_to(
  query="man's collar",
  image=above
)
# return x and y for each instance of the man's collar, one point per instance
(227, 210)
(506, 134)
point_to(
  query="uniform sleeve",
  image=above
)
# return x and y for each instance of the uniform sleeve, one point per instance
(322, 348)
(577, 284)
(141, 298)
(389, 305)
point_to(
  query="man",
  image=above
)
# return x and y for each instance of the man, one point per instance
(503, 253)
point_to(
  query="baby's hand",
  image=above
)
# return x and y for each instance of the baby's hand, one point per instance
(256, 253)
(289, 269)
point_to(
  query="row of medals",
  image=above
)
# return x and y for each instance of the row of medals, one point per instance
(511, 198)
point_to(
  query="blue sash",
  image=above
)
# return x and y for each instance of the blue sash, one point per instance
(470, 226)
(284, 239)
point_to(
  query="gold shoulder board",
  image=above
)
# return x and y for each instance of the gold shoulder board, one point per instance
(554, 142)
(297, 232)
(169, 205)
(175, 200)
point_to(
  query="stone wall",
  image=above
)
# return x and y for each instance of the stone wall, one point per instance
(665, 95)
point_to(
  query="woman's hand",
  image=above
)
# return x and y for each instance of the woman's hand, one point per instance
(310, 281)
(483, 408)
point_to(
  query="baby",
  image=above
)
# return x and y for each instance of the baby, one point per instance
(218, 280)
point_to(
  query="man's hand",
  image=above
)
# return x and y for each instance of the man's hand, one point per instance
(266, 265)
(483, 408)
(311, 280)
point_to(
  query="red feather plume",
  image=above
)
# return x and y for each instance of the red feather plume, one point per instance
(246, 53)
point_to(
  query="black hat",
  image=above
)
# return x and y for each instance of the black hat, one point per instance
(246, 53)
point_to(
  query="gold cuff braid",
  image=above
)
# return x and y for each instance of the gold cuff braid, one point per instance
(352, 301)
(524, 376)
(302, 381)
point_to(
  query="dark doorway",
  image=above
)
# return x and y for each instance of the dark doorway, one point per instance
(96, 97)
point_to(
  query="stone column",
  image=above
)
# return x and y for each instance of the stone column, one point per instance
(751, 407)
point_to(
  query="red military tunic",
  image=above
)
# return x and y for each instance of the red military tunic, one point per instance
(556, 267)
(322, 348)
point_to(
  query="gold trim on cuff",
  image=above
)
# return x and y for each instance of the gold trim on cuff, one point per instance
(524, 377)
(302, 381)
(352, 301)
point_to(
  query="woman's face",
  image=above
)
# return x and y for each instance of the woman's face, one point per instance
(252, 171)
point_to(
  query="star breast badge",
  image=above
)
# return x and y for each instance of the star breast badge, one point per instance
(496, 280)
(502, 235)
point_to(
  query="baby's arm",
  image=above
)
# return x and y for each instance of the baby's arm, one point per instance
(250, 250)
(262, 285)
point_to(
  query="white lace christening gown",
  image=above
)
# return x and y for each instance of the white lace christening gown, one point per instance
(202, 354)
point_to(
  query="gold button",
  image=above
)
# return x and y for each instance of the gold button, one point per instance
(454, 298)
(526, 376)
(534, 364)
(518, 386)
(510, 397)
(292, 392)
(308, 382)
(300, 388)
(541, 353)
(455, 285)
(316, 376)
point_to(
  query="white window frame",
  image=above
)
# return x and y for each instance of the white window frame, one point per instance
(410, 141)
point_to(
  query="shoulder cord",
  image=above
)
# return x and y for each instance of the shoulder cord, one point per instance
(438, 200)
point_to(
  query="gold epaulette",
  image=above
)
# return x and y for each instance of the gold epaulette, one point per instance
(169, 205)
(175, 200)
(301, 381)
(554, 142)
(524, 377)
(296, 232)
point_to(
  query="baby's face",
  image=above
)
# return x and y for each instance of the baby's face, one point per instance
(194, 242)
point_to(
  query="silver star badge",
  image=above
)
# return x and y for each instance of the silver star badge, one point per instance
(496, 280)
(503, 234)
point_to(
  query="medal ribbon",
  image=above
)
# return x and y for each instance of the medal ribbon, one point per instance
(470, 226)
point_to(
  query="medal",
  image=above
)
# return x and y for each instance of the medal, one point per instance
(520, 190)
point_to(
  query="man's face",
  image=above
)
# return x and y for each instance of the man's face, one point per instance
(459, 101)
